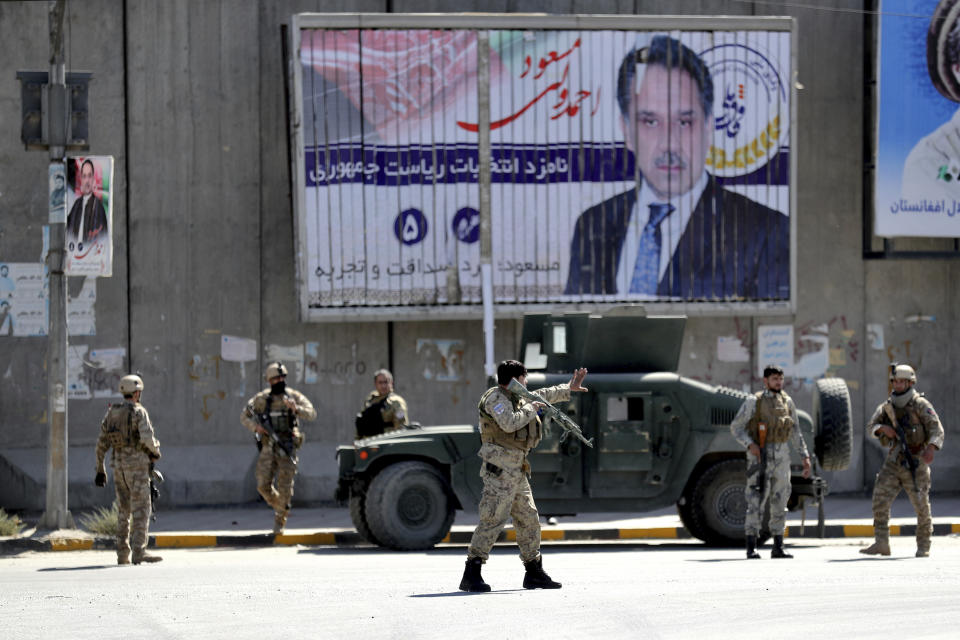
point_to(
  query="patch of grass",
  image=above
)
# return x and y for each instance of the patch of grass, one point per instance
(10, 525)
(102, 520)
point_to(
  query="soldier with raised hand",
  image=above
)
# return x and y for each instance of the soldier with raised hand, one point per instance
(773, 413)
(924, 436)
(509, 429)
(274, 416)
(383, 410)
(127, 430)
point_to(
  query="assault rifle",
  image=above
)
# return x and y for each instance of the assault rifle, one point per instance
(761, 442)
(286, 446)
(570, 428)
(155, 478)
(907, 458)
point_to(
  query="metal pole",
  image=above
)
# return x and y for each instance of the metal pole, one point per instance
(57, 515)
(483, 180)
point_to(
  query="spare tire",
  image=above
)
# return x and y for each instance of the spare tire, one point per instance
(833, 442)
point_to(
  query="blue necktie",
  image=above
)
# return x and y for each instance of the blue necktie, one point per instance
(646, 271)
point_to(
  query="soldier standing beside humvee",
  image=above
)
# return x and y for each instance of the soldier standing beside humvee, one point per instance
(383, 409)
(909, 425)
(766, 425)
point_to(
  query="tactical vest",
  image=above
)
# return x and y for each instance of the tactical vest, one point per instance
(523, 439)
(773, 410)
(282, 419)
(120, 428)
(913, 427)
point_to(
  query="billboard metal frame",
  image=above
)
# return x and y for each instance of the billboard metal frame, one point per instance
(485, 21)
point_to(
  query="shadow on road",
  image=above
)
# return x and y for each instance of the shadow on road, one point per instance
(866, 559)
(87, 568)
(461, 593)
(511, 549)
(716, 560)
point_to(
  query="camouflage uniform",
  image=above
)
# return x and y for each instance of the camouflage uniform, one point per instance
(272, 460)
(924, 428)
(393, 411)
(127, 430)
(509, 429)
(779, 414)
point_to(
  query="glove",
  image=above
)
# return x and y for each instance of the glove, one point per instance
(101, 479)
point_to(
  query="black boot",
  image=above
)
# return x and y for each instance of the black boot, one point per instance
(752, 548)
(472, 581)
(536, 577)
(778, 551)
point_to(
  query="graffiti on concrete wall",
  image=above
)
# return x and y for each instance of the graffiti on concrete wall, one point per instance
(342, 366)
(441, 360)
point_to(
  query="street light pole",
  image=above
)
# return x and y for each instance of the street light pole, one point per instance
(57, 515)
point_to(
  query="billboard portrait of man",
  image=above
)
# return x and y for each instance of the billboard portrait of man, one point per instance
(932, 169)
(678, 233)
(917, 180)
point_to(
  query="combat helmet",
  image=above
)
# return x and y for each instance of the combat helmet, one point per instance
(275, 369)
(902, 372)
(130, 383)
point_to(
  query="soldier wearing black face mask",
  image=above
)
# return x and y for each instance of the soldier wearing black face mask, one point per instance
(274, 416)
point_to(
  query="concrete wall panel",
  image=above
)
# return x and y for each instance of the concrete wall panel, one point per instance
(190, 99)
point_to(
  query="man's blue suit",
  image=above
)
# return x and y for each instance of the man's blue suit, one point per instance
(732, 248)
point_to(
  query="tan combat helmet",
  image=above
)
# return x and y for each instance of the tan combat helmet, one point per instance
(903, 372)
(275, 369)
(131, 383)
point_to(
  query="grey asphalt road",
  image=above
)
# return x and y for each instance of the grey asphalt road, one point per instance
(613, 590)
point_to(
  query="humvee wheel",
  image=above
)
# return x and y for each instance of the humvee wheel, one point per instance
(408, 506)
(357, 505)
(717, 504)
(833, 442)
(685, 511)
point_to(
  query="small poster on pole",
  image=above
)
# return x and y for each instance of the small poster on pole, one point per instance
(89, 232)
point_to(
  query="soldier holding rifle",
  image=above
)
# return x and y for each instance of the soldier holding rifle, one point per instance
(509, 428)
(909, 425)
(274, 416)
(766, 425)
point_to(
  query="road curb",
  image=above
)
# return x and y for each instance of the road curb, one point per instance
(350, 538)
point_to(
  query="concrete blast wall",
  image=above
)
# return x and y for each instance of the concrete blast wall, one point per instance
(189, 98)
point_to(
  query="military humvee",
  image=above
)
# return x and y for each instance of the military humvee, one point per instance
(659, 439)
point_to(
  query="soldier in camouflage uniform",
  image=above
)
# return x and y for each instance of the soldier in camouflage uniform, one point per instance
(924, 435)
(127, 430)
(509, 429)
(274, 415)
(770, 411)
(383, 410)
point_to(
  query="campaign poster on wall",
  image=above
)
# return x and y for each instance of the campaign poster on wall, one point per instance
(89, 231)
(626, 166)
(917, 189)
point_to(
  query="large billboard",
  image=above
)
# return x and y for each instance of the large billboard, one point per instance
(917, 189)
(626, 165)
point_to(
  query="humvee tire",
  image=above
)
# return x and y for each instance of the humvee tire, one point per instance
(687, 519)
(833, 442)
(357, 505)
(717, 504)
(408, 506)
